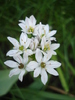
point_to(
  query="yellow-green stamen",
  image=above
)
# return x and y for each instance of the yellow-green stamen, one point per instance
(31, 29)
(43, 64)
(46, 47)
(21, 66)
(21, 48)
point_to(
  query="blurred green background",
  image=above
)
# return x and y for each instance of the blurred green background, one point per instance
(60, 14)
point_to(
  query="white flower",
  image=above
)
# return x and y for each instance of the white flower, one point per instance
(34, 43)
(18, 67)
(21, 47)
(49, 34)
(43, 30)
(28, 26)
(37, 40)
(42, 66)
(48, 48)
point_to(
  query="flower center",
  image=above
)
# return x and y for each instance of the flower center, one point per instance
(30, 35)
(21, 66)
(31, 29)
(43, 64)
(46, 47)
(21, 48)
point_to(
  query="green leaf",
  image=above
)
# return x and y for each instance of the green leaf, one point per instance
(37, 84)
(68, 63)
(63, 80)
(61, 76)
(31, 94)
(6, 82)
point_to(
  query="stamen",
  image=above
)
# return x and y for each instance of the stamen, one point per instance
(21, 66)
(43, 64)
(21, 48)
(31, 29)
(46, 47)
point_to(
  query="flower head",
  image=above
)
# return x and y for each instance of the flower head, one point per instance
(19, 67)
(43, 30)
(48, 48)
(28, 26)
(21, 47)
(35, 40)
(42, 65)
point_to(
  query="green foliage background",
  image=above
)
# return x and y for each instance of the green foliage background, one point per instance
(60, 14)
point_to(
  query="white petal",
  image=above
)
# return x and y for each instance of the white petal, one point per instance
(21, 75)
(44, 76)
(52, 33)
(43, 41)
(46, 28)
(18, 53)
(38, 55)
(52, 71)
(31, 66)
(18, 58)
(36, 42)
(28, 22)
(15, 71)
(53, 64)
(35, 31)
(31, 46)
(37, 71)
(23, 38)
(22, 21)
(22, 25)
(46, 57)
(13, 41)
(25, 58)
(52, 38)
(29, 69)
(43, 52)
(54, 46)
(11, 64)
(50, 53)
(13, 53)
(53, 52)
(33, 20)
(27, 43)
(29, 52)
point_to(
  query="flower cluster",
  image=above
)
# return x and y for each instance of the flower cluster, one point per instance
(33, 51)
